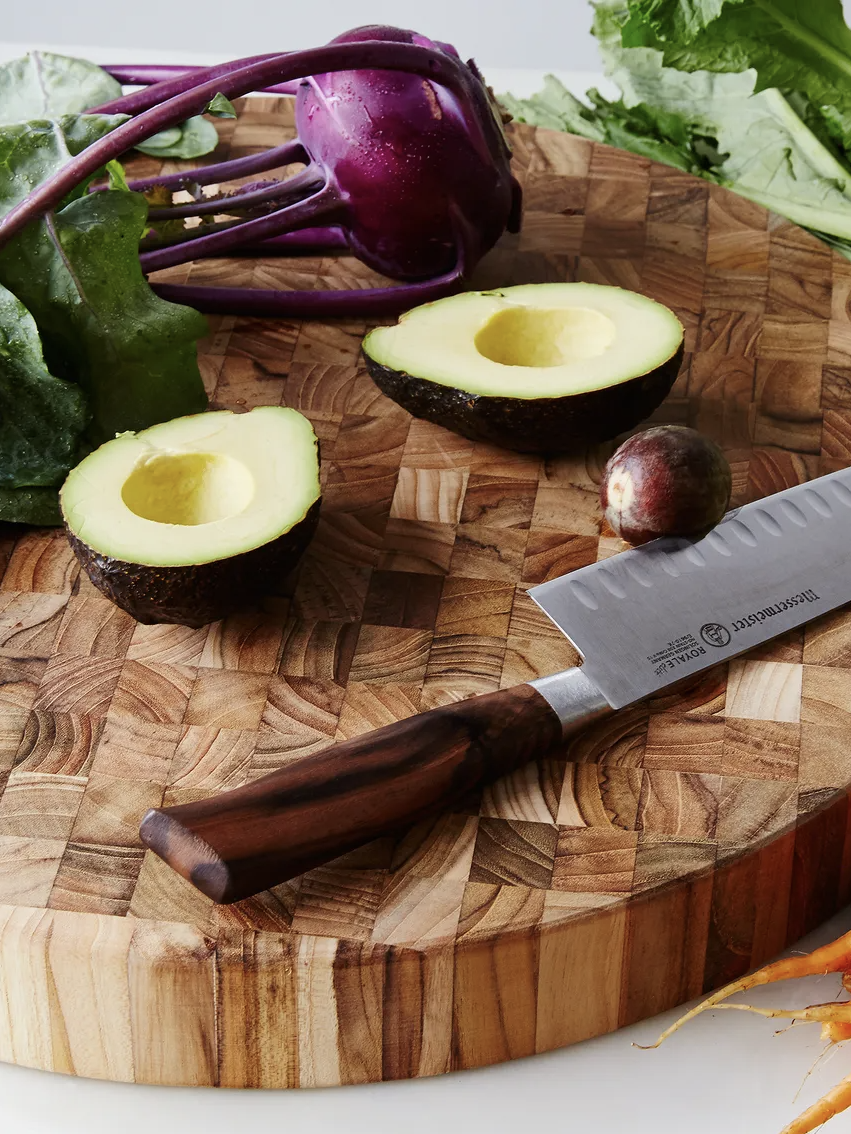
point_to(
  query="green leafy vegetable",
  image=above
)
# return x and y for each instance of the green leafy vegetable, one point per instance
(77, 271)
(30, 506)
(221, 107)
(117, 176)
(556, 108)
(798, 46)
(778, 148)
(42, 85)
(42, 418)
(193, 138)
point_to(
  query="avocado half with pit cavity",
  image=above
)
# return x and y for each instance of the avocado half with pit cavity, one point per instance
(192, 519)
(539, 368)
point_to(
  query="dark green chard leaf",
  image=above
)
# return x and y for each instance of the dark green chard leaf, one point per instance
(42, 418)
(38, 506)
(77, 271)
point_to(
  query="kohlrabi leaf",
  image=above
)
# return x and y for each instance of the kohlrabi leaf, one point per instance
(38, 506)
(77, 271)
(43, 85)
(117, 176)
(221, 107)
(798, 46)
(42, 418)
(193, 138)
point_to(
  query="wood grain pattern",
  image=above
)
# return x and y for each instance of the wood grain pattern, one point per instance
(660, 853)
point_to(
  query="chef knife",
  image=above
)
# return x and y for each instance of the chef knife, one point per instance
(642, 620)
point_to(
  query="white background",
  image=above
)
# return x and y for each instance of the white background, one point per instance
(726, 1073)
(545, 34)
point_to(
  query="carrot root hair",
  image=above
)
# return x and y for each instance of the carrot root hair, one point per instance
(834, 957)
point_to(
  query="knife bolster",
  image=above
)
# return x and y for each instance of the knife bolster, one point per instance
(573, 697)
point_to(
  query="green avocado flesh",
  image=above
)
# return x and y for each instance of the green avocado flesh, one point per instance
(188, 520)
(537, 367)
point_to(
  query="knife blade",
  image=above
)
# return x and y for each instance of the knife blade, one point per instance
(662, 612)
(642, 620)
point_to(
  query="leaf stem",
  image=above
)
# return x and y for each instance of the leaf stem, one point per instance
(796, 30)
(819, 157)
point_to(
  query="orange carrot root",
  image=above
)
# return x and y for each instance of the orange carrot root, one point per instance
(835, 1017)
(835, 1031)
(834, 1102)
(834, 957)
(835, 1013)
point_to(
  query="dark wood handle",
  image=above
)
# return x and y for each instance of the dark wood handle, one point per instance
(314, 809)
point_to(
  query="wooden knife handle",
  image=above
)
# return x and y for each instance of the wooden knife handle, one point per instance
(316, 808)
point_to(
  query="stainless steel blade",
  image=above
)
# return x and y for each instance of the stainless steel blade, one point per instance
(651, 616)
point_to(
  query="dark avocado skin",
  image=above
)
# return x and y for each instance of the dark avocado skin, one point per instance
(531, 425)
(197, 594)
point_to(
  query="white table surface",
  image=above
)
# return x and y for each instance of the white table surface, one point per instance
(725, 1072)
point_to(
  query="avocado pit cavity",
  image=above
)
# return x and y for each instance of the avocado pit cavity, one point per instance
(188, 488)
(544, 337)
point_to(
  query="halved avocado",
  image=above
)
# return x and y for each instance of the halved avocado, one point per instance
(538, 368)
(192, 519)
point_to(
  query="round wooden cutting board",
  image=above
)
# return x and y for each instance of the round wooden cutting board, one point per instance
(662, 853)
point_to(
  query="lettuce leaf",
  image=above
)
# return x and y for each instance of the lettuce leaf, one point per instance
(556, 108)
(791, 45)
(777, 148)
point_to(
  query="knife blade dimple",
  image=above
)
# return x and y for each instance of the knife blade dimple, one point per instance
(649, 617)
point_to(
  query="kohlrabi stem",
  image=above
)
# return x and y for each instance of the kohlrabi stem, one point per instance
(368, 54)
(321, 206)
(288, 154)
(146, 75)
(311, 304)
(280, 192)
(305, 240)
(301, 242)
(183, 79)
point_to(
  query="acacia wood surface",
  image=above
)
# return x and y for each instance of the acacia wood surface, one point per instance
(661, 853)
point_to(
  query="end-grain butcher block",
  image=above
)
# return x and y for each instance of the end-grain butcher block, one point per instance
(661, 853)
